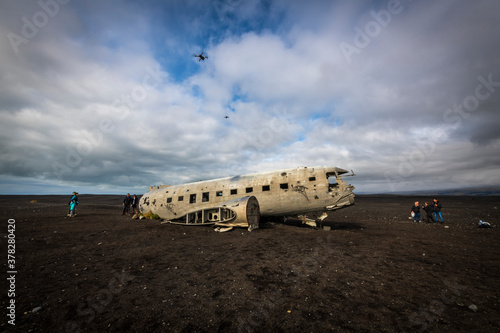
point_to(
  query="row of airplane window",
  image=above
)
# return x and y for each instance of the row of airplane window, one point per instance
(205, 196)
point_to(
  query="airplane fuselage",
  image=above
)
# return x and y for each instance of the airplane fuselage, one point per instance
(284, 192)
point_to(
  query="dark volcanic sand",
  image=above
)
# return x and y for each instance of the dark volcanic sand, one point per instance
(375, 271)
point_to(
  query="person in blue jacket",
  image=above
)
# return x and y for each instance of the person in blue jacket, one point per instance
(72, 204)
(437, 210)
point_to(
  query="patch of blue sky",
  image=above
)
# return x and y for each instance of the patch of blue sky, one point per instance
(300, 137)
(324, 114)
(196, 91)
(178, 32)
(327, 116)
(317, 116)
(229, 109)
(177, 60)
(237, 97)
(244, 16)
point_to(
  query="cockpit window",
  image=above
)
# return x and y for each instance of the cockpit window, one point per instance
(332, 181)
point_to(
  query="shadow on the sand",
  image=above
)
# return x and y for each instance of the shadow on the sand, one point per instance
(268, 224)
(343, 225)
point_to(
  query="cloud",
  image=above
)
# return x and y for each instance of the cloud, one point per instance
(110, 102)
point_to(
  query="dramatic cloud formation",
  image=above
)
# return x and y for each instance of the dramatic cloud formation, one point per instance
(108, 98)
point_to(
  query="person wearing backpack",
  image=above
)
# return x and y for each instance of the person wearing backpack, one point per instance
(72, 204)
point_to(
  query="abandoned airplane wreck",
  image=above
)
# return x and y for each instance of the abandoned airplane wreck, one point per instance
(240, 201)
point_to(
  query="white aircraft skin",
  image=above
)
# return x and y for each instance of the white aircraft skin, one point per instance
(286, 192)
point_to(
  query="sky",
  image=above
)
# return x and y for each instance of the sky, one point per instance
(106, 97)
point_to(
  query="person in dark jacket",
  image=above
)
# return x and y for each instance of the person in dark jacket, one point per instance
(133, 203)
(416, 212)
(126, 204)
(429, 210)
(437, 210)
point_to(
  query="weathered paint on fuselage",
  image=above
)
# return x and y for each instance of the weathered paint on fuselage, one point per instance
(284, 192)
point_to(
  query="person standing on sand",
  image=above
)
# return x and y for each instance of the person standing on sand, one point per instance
(69, 203)
(416, 212)
(72, 204)
(134, 203)
(437, 210)
(429, 210)
(126, 204)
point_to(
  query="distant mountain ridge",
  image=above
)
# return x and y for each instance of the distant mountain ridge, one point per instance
(480, 190)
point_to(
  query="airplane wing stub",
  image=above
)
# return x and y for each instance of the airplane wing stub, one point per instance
(240, 212)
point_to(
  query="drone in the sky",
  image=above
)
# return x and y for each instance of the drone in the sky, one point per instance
(201, 56)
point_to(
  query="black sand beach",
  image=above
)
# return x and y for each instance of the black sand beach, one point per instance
(375, 271)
